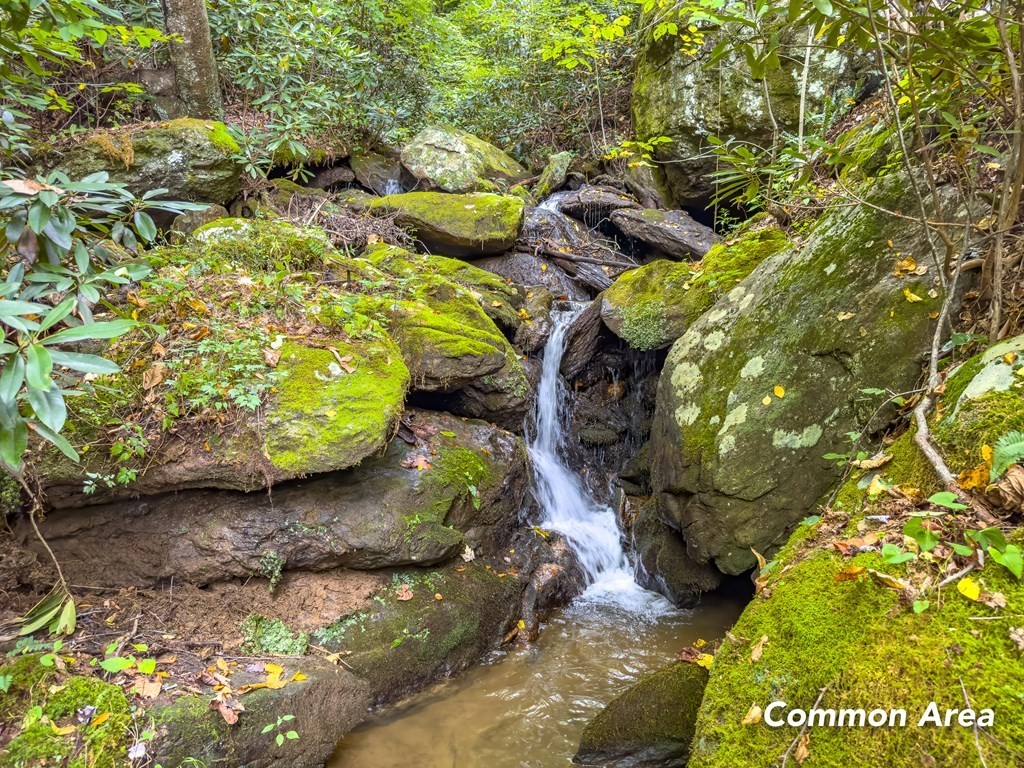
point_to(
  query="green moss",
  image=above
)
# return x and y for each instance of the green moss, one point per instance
(256, 244)
(326, 418)
(215, 131)
(979, 423)
(100, 746)
(871, 651)
(262, 635)
(959, 380)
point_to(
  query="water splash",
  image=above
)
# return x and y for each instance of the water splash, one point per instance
(590, 528)
(393, 187)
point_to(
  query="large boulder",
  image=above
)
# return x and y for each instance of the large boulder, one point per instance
(552, 178)
(674, 234)
(378, 172)
(457, 225)
(652, 306)
(769, 380)
(460, 484)
(665, 566)
(594, 205)
(445, 158)
(192, 159)
(651, 725)
(675, 94)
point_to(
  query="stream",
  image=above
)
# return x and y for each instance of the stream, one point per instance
(525, 707)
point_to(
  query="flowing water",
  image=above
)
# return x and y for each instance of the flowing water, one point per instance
(526, 707)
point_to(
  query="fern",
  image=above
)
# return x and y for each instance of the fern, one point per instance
(1009, 450)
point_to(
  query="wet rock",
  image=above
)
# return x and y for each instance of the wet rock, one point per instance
(536, 327)
(457, 225)
(665, 565)
(191, 159)
(652, 306)
(594, 205)
(770, 379)
(552, 178)
(672, 233)
(329, 703)
(582, 340)
(413, 505)
(635, 476)
(445, 158)
(555, 581)
(335, 176)
(676, 95)
(185, 224)
(650, 725)
(399, 646)
(377, 172)
(528, 270)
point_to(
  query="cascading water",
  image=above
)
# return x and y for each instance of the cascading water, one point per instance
(590, 528)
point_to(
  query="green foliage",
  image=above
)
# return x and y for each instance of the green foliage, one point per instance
(1007, 451)
(282, 734)
(262, 635)
(70, 239)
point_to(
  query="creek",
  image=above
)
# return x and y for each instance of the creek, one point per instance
(526, 706)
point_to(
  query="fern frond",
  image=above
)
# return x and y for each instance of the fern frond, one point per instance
(1008, 450)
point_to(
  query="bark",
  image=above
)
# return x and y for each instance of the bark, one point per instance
(195, 69)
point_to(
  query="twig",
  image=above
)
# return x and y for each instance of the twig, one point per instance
(803, 730)
(977, 741)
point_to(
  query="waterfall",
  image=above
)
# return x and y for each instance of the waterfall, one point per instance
(590, 528)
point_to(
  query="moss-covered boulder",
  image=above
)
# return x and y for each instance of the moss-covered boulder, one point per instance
(830, 634)
(325, 705)
(552, 178)
(650, 725)
(460, 486)
(184, 224)
(653, 305)
(445, 158)
(676, 94)
(769, 380)
(192, 159)
(379, 172)
(38, 704)
(402, 643)
(457, 225)
(674, 234)
(665, 566)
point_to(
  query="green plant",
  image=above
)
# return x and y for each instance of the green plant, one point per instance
(279, 727)
(271, 567)
(1008, 450)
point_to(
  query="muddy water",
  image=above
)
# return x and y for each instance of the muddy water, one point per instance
(527, 707)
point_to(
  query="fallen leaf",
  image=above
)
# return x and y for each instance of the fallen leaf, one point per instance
(158, 349)
(767, 400)
(154, 376)
(911, 296)
(878, 460)
(223, 667)
(887, 581)
(753, 716)
(994, 599)
(438, 596)
(1017, 635)
(842, 317)
(1010, 358)
(28, 186)
(974, 479)
(761, 562)
(272, 357)
(850, 573)
(779, 391)
(62, 731)
(468, 555)
(758, 649)
(404, 592)
(298, 677)
(416, 461)
(969, 588)
(802, 750)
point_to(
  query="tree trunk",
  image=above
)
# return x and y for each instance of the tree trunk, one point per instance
(195, 69)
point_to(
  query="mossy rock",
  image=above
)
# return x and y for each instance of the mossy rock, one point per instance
(866, 649)
(770, 379)
(102, 743)
(376, 171)
(455, 161)
(675, 95)
(256, 244)
(650, 725)
(326, 705)
(399, 646)
(192, 159)
(457, 225)
(552, 178)
(651, 306)
(330, 414)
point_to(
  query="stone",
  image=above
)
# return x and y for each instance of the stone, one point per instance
(192, 159)
(334, 176)
(552, 178)
(186, 223)
(582, 340)
(651, 306)
(529, 270)
(594, 205)
(770, 379)
(445, 158)
(536, 327)
(675, 94)
(457, 225)
(378, 172)
(665, 565)
(650, 725)
(408, 506)
(672, 233)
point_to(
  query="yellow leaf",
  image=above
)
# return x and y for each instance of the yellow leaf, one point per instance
(521, 624)
(887, 581)
(705, 660)
(272, 668)
(779, 391)
(910, 296)
(758, 649)
(274, 680)
(62, 731)
(701, 642)
(877, 486)
(767, 400)
(986, 453)
(496, 304)
(850, 573)
(100, 719)
(298, 677)
(1010, 357)
(753, 716)
(969, 588)
(761, 562)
